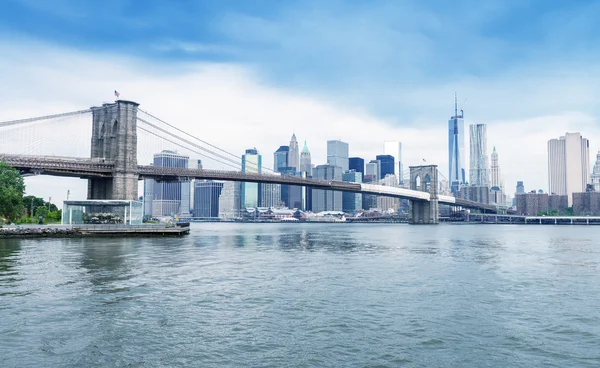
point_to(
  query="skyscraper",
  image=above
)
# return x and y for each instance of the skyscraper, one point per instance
(305, 162)
(497, 189)
(270, 195)
(357, 164)
(387, 165)
(170, 198)
(568, 165)
(294, 154)
(251, 163)
(281, 158)
(372, 170)
(230, 199)
(496, 177)
(351, 201)
(337, 154)
(395, 149)
(206, 198)
(456, 144)
(479, 174)
(327, 200)
(596, 174)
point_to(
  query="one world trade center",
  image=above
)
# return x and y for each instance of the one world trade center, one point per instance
(456, 144)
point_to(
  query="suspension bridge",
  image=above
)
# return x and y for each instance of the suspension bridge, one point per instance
(122, 135)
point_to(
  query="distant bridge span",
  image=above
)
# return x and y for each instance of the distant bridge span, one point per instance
(86, 168)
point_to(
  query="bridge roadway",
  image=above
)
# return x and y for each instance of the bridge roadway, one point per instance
(86, 168)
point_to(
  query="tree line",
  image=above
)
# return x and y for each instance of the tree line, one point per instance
(15, 207)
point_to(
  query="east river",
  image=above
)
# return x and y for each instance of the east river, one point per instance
(306, 295)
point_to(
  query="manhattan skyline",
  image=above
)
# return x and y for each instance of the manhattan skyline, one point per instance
(261, 72)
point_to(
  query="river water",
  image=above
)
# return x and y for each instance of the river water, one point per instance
(306, 295)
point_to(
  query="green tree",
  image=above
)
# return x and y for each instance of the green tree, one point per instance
(41, 211)
(12, 188)
(31, 203)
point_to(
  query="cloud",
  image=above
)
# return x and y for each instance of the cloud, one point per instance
(233, 107)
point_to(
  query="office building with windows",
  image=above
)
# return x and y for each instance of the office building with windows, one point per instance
(357, 164)
(163, 198)
(386, 163)
(337, 154)
(568, 165)
(327, 200)
(351, 202)
(206, 198)
(251, 163)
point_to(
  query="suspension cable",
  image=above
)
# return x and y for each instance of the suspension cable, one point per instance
(46, 117)
(235, 165)
(196, 145)
(188, 134)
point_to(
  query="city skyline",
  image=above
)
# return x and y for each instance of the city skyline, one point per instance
(192, 76)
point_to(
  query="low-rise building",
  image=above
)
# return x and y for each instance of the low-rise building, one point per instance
(586, 203)
(532, 203)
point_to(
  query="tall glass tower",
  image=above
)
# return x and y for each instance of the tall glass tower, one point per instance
(251, 163)
(456, 148)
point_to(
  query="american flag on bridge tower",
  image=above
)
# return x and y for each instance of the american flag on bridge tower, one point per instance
(117, 94)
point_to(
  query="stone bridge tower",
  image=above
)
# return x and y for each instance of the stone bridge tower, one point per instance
(424, 179)
(114, 140)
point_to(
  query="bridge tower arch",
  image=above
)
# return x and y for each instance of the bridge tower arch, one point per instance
(424, 179)
(114, 140)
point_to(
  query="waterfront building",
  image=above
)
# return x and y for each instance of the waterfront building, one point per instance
(479, 174)
(270, 195)
(394, 149)
(351, 202)
(294, 154)
(327, 200)
(193, 165)
(337, 154)
(532, 203)
(558, 203)
(386, 165)
(251, 163)
(291, 195)
(305, 161)
(456, 144)
(357, 164)
(148, 197)
(568, 165)
(595, 177)
(586, 203)
(206, 198)
(230, 199)
(388, 204)
(372, 170)
(168, 198)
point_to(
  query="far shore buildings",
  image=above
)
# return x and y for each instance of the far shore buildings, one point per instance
(568, 165)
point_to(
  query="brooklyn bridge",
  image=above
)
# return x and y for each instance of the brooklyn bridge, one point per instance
(113, 172)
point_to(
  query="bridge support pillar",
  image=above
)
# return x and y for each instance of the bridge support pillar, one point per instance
(114, 139)
(424, 179)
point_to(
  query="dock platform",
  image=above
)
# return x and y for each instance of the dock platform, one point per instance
(80, 231)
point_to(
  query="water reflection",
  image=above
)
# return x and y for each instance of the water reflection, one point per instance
(9, 275)
(108, 262)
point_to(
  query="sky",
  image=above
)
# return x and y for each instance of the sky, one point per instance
(243, 74)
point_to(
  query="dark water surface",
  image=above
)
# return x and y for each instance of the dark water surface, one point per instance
(306, 295)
